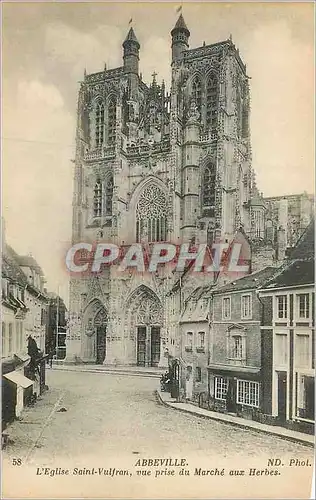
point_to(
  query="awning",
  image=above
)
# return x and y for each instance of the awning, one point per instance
(19, 379)
(22, 357)
(234, 368)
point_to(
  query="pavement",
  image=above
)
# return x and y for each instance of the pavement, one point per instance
(136, 371)
(110, 420)
(165, 398)
(281, 432)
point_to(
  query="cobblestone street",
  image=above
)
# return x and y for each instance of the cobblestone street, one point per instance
(109, 414)
(112, 421)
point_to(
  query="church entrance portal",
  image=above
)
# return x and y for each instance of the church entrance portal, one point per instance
(100, 322)
(95, 319)
(148, 345)
(144, 320)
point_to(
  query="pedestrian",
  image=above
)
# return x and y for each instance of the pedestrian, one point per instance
(51, 353)
(33, 351)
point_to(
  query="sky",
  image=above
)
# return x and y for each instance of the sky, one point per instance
(47, 46)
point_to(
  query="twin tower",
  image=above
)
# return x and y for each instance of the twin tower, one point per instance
(180, 42)
(155, 165)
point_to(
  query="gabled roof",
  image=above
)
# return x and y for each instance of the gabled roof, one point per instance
(300, 268)
(305, 247)
(298, 272)
(249, 282)
(29, 261)
(200, 292)
(12, 271)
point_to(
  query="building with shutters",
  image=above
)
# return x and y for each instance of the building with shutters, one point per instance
(288, 339)
(23, 308)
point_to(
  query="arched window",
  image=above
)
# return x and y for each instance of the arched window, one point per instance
(151, 215)
(208, 193)
(212, 102)
(99, 125)
(239, 111)
(111, 120)
(108, 196)
(97, 199)
(197, 92)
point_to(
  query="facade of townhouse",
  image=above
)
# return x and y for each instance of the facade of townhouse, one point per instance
(288, 340)
(194, 337)
(234, 378)
(36, 300)
(23, 314)
(14, 354)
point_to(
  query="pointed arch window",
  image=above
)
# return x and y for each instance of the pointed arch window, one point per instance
(208, 193)
(151, 215)
(197, 92)
(109, 196)
(239, 112)
(99, 125)
(111, 120)
(212, 102)
(97, 199)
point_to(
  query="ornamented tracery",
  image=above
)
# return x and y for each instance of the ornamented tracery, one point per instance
(144, 308)
(151, 215)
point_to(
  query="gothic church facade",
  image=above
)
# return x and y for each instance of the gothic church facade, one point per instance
(152, 166)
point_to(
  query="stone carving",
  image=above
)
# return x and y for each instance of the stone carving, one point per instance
(193, 113)
(144, 307)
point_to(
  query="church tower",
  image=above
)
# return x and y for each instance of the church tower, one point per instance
(131, 53)
(153, 166)
(180, 39)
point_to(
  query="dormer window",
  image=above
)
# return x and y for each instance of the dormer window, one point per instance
(11, 289)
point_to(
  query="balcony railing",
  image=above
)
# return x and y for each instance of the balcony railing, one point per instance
(145, 149)
(100, 153)
(208, 137)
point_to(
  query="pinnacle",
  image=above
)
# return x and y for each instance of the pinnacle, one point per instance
(180, 25)
(131, 37)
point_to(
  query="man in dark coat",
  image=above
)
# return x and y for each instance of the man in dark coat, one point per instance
(33, 352)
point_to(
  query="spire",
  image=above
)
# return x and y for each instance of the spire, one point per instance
(131, 37)
(180, 26)
(131, 48)
(180, 39)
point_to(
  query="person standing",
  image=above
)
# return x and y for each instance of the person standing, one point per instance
(33, 352)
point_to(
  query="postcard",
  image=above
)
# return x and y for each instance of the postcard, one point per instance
(158, 250)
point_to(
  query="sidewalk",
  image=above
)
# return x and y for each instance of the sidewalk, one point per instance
(299, 437)
(132, 371)
(27, 433)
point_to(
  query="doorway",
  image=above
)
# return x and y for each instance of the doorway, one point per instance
(141, 346)
(148, 345)
(282, 387)
(155, 346)
(101, 344)
(231, 396)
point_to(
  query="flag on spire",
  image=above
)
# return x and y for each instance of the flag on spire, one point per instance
(130, 21)
(179, 9)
